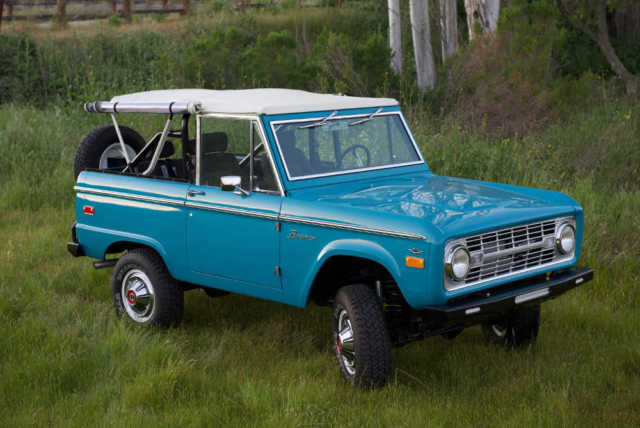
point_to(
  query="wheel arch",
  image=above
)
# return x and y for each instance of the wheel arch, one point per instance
(347, 261)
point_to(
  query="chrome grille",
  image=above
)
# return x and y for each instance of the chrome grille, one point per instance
(509, 251)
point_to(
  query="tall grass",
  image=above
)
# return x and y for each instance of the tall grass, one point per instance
(66, 360)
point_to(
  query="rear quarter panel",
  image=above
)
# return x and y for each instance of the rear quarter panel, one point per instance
(134, 209)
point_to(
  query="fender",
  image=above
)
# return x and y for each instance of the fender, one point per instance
(348, 247)
(100, 239)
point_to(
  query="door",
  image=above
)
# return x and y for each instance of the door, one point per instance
(232, 235)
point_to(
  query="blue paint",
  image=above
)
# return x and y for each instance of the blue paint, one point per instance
(232, 242)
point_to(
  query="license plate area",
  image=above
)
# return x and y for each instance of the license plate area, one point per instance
(531, 295)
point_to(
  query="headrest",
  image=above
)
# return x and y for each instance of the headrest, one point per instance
(213, 142)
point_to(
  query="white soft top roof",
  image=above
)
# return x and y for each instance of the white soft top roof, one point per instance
(255, 101)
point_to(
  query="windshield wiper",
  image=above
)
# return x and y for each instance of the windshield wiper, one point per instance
(322, 122)
(366, 119)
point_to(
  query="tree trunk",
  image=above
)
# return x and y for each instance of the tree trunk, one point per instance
(165, 4)
(61, 11)
(601, 38)
(448, 27)
(421, 32)
(185, 6)
(126, 9)
(112, 6)
(1, 10)
(482, 16)
(9, 9)
(395, 35)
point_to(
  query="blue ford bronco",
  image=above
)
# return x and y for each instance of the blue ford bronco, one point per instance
(298, 197)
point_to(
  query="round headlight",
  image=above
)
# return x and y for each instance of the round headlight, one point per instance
(458, 262)
(566, 238)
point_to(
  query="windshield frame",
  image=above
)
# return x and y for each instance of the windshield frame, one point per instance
(323, 115)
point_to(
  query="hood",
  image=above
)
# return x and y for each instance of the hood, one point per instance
(445, 205)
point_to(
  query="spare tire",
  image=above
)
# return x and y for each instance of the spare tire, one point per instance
(100, 149)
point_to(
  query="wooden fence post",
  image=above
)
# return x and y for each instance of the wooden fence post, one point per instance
(126, 9)
(61, 11)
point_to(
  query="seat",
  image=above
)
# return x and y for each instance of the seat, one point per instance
(215, 162)
(297, 162)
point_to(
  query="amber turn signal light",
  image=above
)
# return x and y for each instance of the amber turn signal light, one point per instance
(414, 262)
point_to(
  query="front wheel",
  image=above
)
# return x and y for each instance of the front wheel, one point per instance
(362, 343)
(516, 330)
(144, 291)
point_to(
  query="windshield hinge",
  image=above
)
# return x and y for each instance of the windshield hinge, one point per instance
(277, 226)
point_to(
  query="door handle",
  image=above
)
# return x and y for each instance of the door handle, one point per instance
(195, 193)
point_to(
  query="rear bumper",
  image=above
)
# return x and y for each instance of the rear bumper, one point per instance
(495, 303)
(74, 247)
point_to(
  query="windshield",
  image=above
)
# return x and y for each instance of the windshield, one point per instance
(328, 146)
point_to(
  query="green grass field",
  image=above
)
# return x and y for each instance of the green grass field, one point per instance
(66, 360)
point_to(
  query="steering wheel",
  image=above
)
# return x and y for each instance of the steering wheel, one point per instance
(357, 150)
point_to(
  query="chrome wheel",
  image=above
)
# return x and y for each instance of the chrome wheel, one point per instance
(499, 330)
(138, 295)
(345, 344)
(114, 152)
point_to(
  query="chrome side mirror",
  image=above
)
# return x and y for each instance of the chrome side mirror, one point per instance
(232, 183)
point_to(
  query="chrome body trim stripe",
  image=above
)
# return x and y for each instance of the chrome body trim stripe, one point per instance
(354, 228)
(122, 195)
(229, 210)
(240, 211)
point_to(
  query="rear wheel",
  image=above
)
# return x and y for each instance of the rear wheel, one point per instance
(516, 330)
(362, 343)
(144, 291)
(101, 149)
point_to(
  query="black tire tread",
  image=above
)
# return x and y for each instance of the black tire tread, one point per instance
(97, 140)
(372, 341)
(169, 294)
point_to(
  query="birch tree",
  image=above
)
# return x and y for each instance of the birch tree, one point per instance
(395, 35)
(448, 27)
(421, 32)
(482, 16)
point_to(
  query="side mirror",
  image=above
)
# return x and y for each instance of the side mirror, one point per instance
(232, 183)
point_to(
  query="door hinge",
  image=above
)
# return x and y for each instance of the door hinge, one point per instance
(277, 226)
(277, 270)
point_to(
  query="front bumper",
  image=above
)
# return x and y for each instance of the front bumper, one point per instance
(494, 303)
